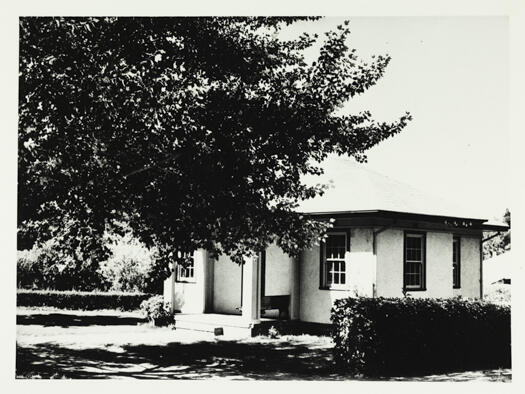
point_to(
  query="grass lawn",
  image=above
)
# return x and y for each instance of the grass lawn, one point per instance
(112, 344)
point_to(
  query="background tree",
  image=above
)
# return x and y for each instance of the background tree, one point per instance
(195, 131)
(500, 243)
(130, 268)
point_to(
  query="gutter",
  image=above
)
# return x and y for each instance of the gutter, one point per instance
(481, 240)
(489, 238)
(481, 264)
(374, 236)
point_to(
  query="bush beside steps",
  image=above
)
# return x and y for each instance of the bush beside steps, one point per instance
(156, 311)
(407, 336)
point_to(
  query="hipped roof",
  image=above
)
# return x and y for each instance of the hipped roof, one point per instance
(355, 188)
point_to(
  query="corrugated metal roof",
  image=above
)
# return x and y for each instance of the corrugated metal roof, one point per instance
(353, 187)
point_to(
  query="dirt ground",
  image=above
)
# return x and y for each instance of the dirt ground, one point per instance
(112, 344)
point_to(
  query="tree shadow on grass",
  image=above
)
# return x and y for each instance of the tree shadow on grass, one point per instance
(200, 360)
(67, 320)
(281, 360)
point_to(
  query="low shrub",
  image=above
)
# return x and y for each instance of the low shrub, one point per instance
(156, 311)
(405, 336)
(82, 300)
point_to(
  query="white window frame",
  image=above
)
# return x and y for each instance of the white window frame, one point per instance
(185, 273)
(327, 261)
(422, 261)
(456, 263)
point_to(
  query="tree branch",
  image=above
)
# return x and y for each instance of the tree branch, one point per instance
(148, 167)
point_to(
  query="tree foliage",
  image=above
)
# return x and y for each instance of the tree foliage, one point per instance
(195, 131)
(501, 241)
(131, 267)
(50, 267)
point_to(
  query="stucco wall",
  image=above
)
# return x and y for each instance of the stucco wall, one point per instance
(390, 245)
(191, 297)
(316, 303)
(227, 286)
(188, 297)
(361, 262)
(222, 294)
(470, 269)
(389, 254)
(278, 271)
(438, 265)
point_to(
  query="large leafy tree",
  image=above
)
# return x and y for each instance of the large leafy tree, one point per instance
(195, 132)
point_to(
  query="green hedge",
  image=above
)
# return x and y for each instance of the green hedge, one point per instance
(408, 336)
(83, 300)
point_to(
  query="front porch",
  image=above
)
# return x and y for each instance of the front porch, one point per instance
(221, 324)
(235, 326)
(223, 297)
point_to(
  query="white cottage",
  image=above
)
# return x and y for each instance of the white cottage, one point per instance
(388, 240)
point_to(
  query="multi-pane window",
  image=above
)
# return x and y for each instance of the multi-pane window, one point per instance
(333, 264)
(414, 261)
(456, 263)
(185, 267)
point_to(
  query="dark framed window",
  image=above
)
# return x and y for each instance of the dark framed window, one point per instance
(414, 261)
(333, 264)
(185, 270)
(456, 262)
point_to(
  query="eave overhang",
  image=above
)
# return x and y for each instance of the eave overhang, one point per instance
(396, 218)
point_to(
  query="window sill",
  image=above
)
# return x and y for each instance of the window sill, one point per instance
(334, 288)
(185, 281)
(411, 290)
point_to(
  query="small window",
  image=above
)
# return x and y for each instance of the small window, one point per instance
(333, 265)
(185, 268)
(456, 262)
(414, 261)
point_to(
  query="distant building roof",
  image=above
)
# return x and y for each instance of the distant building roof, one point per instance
(352, 187)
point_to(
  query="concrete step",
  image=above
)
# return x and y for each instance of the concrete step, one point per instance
(198, 326)
(226, 325)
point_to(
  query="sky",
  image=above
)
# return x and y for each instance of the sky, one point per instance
(451, 74)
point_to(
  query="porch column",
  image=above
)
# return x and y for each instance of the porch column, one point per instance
(200, 260)
(294, 288)
(209, 284)
(169, 290)
(251, 290)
